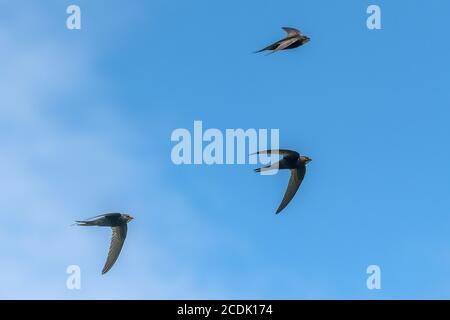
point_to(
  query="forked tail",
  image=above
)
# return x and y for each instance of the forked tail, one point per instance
(273, 166)
(85, 223)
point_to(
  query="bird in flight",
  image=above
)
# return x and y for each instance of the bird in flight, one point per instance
(294, 39)
(118, 223)
(293, 161)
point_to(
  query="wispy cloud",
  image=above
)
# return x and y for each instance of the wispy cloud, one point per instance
(63, 156)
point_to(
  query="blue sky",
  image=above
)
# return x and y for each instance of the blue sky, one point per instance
(85, 124)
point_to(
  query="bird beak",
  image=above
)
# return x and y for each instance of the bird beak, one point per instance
(131, 218)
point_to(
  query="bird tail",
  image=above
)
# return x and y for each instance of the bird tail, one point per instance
(84, 223)
(270, 47)
(259, 51)
(273, 166)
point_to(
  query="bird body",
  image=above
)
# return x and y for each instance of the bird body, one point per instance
(294, 39)
(292, 161)
(106, 220)
(118, 223)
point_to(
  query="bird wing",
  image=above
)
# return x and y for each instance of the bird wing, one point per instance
(105, 215)
(283, 152)
(118, 238)
(295, 181)
(292, 31)
(284, 44)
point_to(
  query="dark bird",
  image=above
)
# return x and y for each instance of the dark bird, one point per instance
(294, 39)
(293, 161)
(118, 223)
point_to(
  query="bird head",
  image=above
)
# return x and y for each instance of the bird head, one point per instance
(127, 217)
(305, 159)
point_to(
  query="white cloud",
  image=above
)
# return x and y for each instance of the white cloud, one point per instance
(54, 172)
